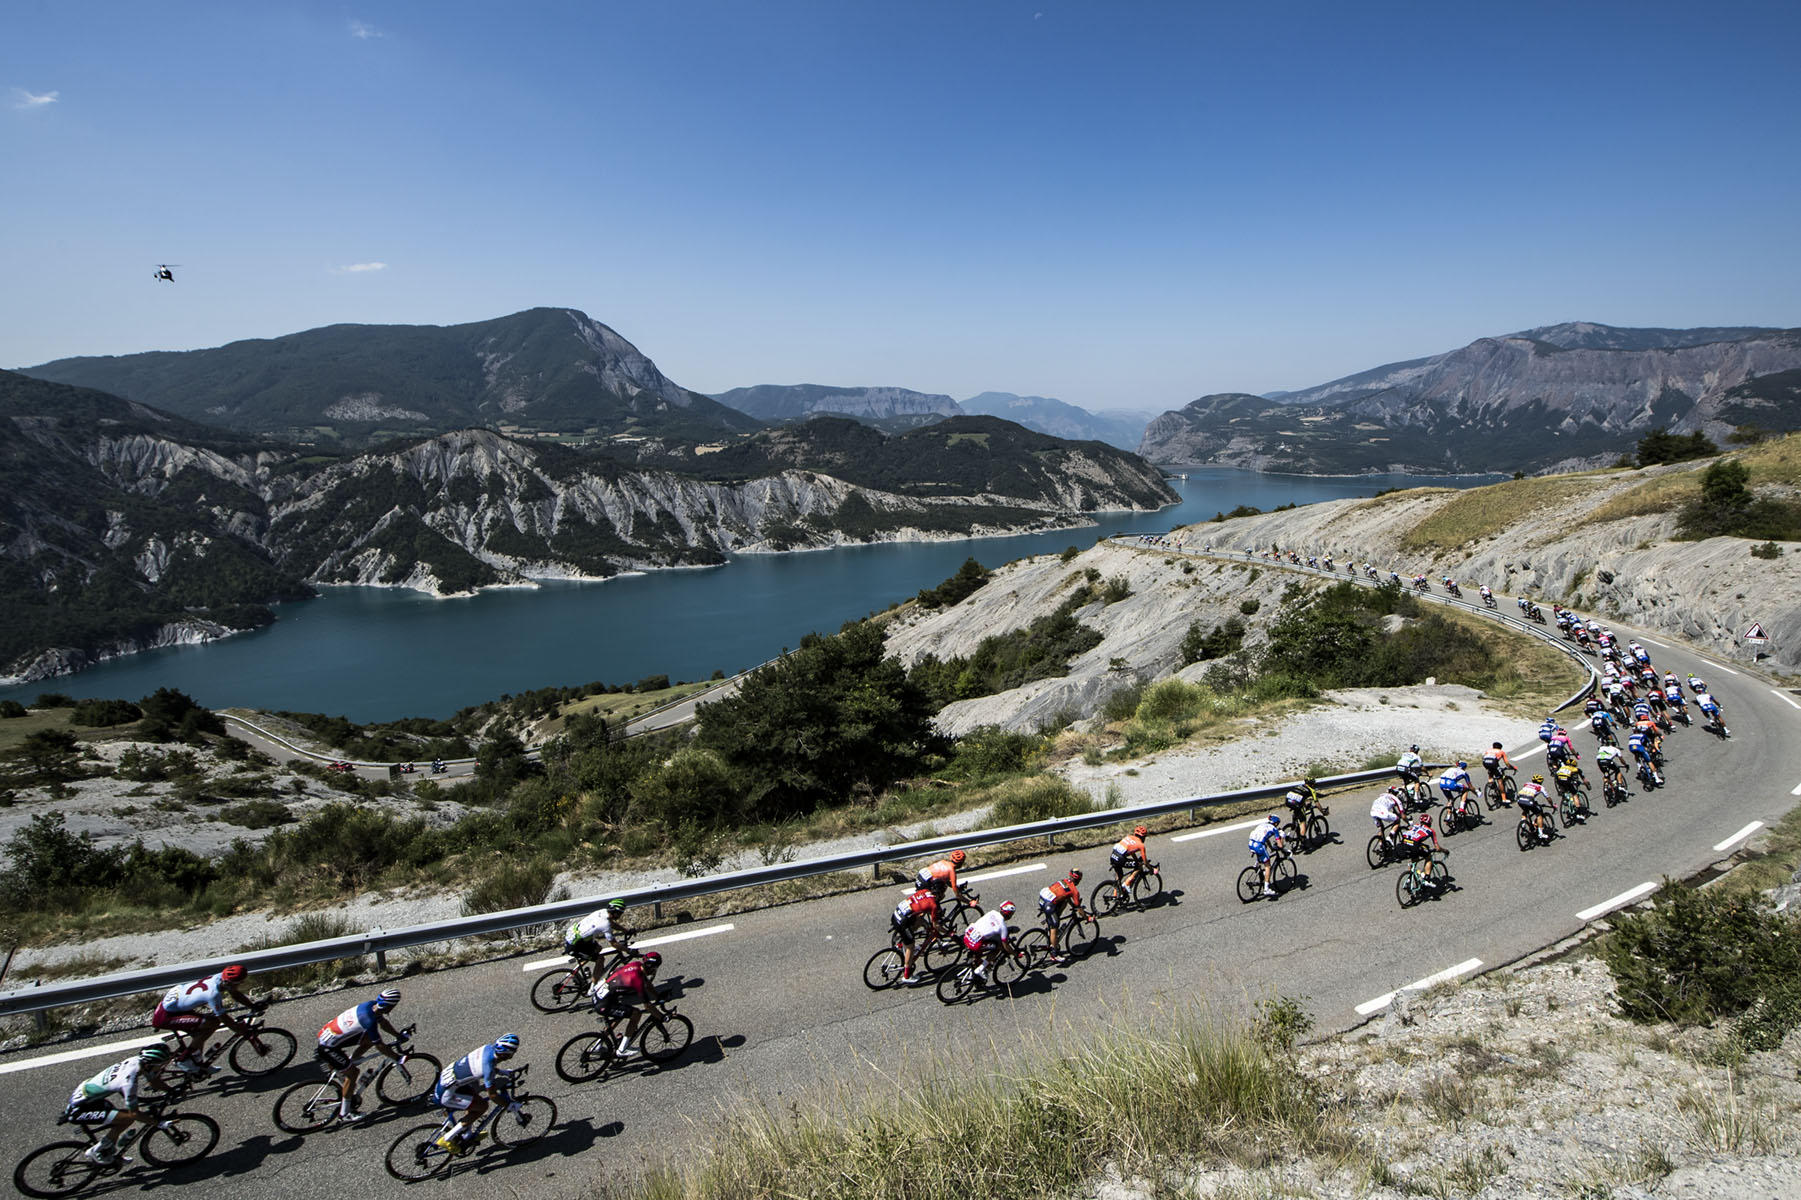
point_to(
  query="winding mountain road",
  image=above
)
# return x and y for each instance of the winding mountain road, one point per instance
(782, 1016)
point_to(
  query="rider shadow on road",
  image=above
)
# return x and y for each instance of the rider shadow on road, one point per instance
(224, 1163)
(706, 1051)
(565, 1141)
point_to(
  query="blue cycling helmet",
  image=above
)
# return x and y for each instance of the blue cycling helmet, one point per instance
(1462, 766)
(1274, 819)
(388, 999)
(506, 1045)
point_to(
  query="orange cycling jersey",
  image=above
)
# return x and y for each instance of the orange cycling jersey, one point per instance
(1063, 889)
(923, 901)
(943, 870)
(1130, 844)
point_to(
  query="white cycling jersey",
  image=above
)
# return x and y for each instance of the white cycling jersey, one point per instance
(190, 997)
(595, 924)
(120, 1079)
(989, 925)
(1387, 807)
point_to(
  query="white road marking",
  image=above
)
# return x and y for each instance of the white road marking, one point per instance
(1207, 833)
(1619, 901)
(1718, 667)
(1002, 873)
(641, 944)
(1785, 698)
(50, 1060)
(1538, 749)
(1748, 830)
(1419, 985)
(1654, 641)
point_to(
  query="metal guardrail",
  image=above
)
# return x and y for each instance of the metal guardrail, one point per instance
(378, 941)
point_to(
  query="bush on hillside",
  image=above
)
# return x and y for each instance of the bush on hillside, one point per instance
(959, 587)
(1040, 798)
(98, 713)
(1727, 507)
(1701, 955)
(1662, 446)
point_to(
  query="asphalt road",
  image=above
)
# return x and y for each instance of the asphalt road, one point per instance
(782, 1016)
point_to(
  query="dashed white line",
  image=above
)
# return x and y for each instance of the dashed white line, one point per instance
(1747, 831)
(1207, 833)
(1419, 985)
(1785, 698)
(1718, 667)
(641, 944)
(50, 1060)
(1001, 874)
(1653, 641)
(1619, 901)
(1538, 749)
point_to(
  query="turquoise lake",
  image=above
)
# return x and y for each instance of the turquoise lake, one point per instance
(378, 653)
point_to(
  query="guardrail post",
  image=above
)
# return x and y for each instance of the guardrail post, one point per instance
(656, 910)
(1050, 839)
(875, 872)
(381, 955)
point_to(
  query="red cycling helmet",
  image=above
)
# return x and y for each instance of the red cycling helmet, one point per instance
(1006, 908)
(233, 973)
(652, 960)
(1140, 830)
(957, 857)
(1075, 877)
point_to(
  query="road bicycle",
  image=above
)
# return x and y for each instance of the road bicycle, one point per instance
(1423, 877)
(1526, 833)
(1005, 969)
(517, 1119)
(661, 1038)
(563, 988)
(311, 1106)
(253, 1051)
(1281, 875)
(1110, 895)
(934, 954)
(173, 1139)
(1613, 787)
(1463, 813)
(1076, 934)
(1572, 805)
(1310, 828)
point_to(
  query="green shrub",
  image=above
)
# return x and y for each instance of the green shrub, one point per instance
(694, 787)
(513, 884)
(1122, 703)
(1039, 798)
(10, 709)
(959, 587)
(147, 765)
(1118, 587)
(257, 814)
(989, 751)
(1767, 550)
(53, 700)
(1170, 700)
(1068, 553)
(1700, 955)
(98, 713)
(1250, 607)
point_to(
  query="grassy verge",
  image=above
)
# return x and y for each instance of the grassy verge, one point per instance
(1537, 677)
(1135, 1101)
(1664, 493)
(1485, 511)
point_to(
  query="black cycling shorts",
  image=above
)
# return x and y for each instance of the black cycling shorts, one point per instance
(332, 1056)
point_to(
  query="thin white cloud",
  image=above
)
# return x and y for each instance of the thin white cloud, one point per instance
(364, 30)
(28, 100)
(359, 268)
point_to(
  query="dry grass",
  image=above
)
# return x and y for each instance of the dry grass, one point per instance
(1397, 497)
(1659, 494)
(1485, 511)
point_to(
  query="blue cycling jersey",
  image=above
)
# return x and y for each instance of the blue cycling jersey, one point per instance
(478, 1066)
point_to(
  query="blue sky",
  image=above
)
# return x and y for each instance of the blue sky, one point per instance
(1119, 204)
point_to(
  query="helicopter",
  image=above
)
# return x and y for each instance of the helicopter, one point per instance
(166, 272)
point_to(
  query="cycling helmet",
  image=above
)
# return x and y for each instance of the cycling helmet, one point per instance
(232, 974)
(1696, 684)
(1462, 766)
(1006, 908)
(506, 1045)
(652, 960)
(388, 999)
(1075, 877)
(1538, 779)
(1413, 749)
(1139, 830)
(957, 857)
(1497, 745)
(1274, 819)
(154, 1053)
(1310, 781)
(616, 905)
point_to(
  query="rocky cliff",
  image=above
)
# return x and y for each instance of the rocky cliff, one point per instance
(1576, 394)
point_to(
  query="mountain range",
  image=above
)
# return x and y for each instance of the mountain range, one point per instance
(1557, 397)
(124, 527)
(893, 408)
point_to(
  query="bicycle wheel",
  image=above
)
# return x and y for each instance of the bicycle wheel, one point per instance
(1035, 944)
(1510, 788)
(1079, 934)
(1283, 873)
(1523, 834)
(409, 1082)
(1438, 872)
(1009, 969)
(1472, 815)
(663, 1041)
(954, 986)
(1106, 897)
(416, 1155)
(883, 970)
(559, 990)
(1149, 883)
(269, 1051)
(1447, 821)
(957, 917)
(585, 1056)
(1250, 883)
(1407, 888)
(58, 1169)
(307, 1107)
(1566, 810)
(1376, 852)
(942, 954)
(1318, 830)
(536, 1117)
(179, 1138)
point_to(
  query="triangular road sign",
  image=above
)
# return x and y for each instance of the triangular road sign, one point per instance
(1756, 633)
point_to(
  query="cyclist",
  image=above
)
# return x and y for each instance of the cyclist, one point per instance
(916, 914)
(1709, 706)
(1640, 655)
(941, 874)
(1601, 722)
(1673, 697)
(466, 1086)
(1420, 839)
(1454, 783)
(1695, 685)
(601, 930)
(987, 936)
(1561, 749)
(1612, 761)
(632, 986)
(1388, 811)
(1300, 800)
(349, 1034)
(1409, 766)
(1496, 763)
(1569, 776)
(1535, 805)
(1052, 900)
(192, 1012)
(1129, 852)
(1653, 737)
(1487, 595)
(92, 1097)
(1266, 839)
